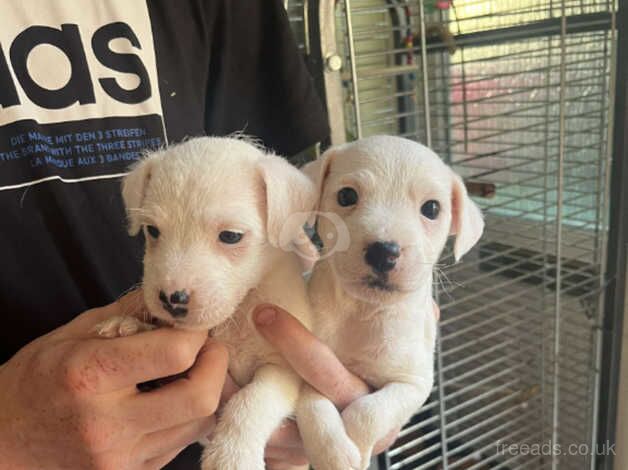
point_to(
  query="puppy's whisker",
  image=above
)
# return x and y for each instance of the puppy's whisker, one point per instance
(444, 274)
(131, 289)
(443, 281)
(136, 306)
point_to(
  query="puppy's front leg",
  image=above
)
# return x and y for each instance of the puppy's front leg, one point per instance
(121, 325)
(369, 418)
(249, 418)
(326, 443)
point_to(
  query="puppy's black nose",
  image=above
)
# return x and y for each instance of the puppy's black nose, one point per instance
(179, 297)
(382, 256)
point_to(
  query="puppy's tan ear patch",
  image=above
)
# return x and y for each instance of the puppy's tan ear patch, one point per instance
(467, 223)
(133, 192)
(290, 199)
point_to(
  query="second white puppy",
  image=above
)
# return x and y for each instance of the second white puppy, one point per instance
(372, 302)
(214, 212)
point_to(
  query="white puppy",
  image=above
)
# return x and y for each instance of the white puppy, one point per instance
(372, 297)
(219, 216)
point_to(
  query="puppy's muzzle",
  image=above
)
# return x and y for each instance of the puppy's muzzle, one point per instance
(173, 304)
(382, 256)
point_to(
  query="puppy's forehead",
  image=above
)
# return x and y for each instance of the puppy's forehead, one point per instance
(392, 160)
(204, 157)
(207, 174)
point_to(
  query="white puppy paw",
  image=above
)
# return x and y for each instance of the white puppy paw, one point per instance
(228, 456)
(362, 428)
(121, 325)
(334, 452)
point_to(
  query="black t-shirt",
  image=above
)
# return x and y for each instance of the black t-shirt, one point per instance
(85, 87)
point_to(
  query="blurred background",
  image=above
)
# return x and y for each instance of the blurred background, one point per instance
(527, 100)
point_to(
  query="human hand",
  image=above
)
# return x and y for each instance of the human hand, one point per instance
(317, 365)
(69, 399)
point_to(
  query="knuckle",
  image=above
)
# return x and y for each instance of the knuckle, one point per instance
(85, 368)
(179, 356)
(104, 440)
(106, 463)
(96, 438)
(204, 402)
(78, 376)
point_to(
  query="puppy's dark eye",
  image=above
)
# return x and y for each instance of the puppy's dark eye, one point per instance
(153, 231)
(430, 209)
(347, 197)
(230, 237)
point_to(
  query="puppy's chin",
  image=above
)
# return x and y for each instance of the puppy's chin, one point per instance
(191, 325)
(359, 291)
(197, 319)
(386, 289)
(371, 289)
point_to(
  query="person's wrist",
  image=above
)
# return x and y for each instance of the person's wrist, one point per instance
(12, 450)
(9, 456)
(4, 412)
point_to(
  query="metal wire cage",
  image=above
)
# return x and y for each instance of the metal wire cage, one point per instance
(517, 96)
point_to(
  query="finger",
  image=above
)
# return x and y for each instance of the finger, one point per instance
(272, 464)
(286, 435)
(113, 364)
(228, 390)
(308, 356)
(161, 461)
(285, 455)
(386, 441)
(163, 442)
(186, 399)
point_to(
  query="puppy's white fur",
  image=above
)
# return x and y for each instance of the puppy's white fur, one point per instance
(192, 192)
(383, 332)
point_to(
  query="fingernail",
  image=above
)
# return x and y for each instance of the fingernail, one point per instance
(265, 316)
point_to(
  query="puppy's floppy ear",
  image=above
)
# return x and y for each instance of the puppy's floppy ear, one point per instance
(317, 171)
(133, 192)
(467, 223)
(290, 199)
